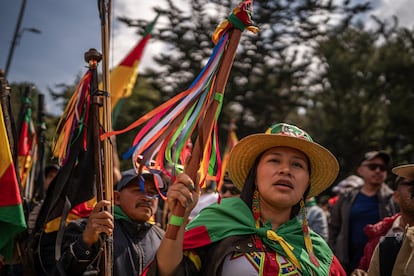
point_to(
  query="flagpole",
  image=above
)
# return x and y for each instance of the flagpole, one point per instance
(39, 191)
(104, 12)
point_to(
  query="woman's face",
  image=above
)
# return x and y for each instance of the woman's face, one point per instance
(282, 177)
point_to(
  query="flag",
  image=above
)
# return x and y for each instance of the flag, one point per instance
(75, 181)
(27, 142)
(71, 194)
(12, 220)
(123, 76)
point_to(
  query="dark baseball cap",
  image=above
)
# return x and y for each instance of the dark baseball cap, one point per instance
(131, 176)
(374, 154)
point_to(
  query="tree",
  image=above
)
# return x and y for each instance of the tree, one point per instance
(364, 94)
(267, 80)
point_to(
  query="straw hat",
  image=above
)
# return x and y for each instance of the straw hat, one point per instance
(404, 170)
(323, 165)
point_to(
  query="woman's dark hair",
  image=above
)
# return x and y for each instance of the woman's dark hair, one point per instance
(250, 186)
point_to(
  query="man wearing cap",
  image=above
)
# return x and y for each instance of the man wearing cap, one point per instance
(358, 207)
(394, 255)
(135, 238)
(390, 257)
(349, 183)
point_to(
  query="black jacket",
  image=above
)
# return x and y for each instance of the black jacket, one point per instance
(135, 244)
(339, 233)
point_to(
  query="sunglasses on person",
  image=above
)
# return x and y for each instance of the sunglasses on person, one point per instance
(232, 189)
(374, 167)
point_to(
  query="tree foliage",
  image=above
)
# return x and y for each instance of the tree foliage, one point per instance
(309, 65)
(365, 94)
(266, 84)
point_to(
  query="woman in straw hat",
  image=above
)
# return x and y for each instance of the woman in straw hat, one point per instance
(258, 233)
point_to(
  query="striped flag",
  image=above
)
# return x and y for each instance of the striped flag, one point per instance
(123, 76)
(12, 219)
(27, 142)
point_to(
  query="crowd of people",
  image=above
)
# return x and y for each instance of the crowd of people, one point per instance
(266, 218)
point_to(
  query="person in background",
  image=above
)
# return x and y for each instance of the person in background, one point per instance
(228, 189)
(322, 202)
(345, 185)
(135, 238)
(257, 233)
(317, 219)
(358, 207)
(50, 173)
(208, 196)
(390, 248)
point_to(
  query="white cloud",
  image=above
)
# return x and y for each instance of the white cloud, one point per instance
(125, 38)
(403, 9)
(69, 28)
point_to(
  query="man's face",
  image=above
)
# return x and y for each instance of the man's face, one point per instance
(404, 195)
(136, 204)
(373, 171)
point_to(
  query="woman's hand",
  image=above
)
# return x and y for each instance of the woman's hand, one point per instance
(183, 192)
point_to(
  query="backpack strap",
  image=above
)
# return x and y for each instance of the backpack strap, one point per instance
(389, 247)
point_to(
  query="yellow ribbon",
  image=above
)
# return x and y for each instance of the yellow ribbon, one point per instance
(285, 246)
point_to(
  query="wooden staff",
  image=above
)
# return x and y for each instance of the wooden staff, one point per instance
(93, 57)
(106, 119)
(39, 167)
(206, 127)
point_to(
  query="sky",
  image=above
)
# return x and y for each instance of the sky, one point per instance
(69, 28)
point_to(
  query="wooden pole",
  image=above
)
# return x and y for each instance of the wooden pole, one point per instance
(106, 118)
(206, 128)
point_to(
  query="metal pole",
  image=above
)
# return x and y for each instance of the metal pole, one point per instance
(15, 37)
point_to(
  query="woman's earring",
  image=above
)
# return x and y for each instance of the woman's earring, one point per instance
(256, 207)
(306, 234)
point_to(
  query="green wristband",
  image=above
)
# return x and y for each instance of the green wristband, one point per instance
(177, 221)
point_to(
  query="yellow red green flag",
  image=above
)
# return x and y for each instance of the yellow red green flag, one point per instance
(12, 219)
(123, 76)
